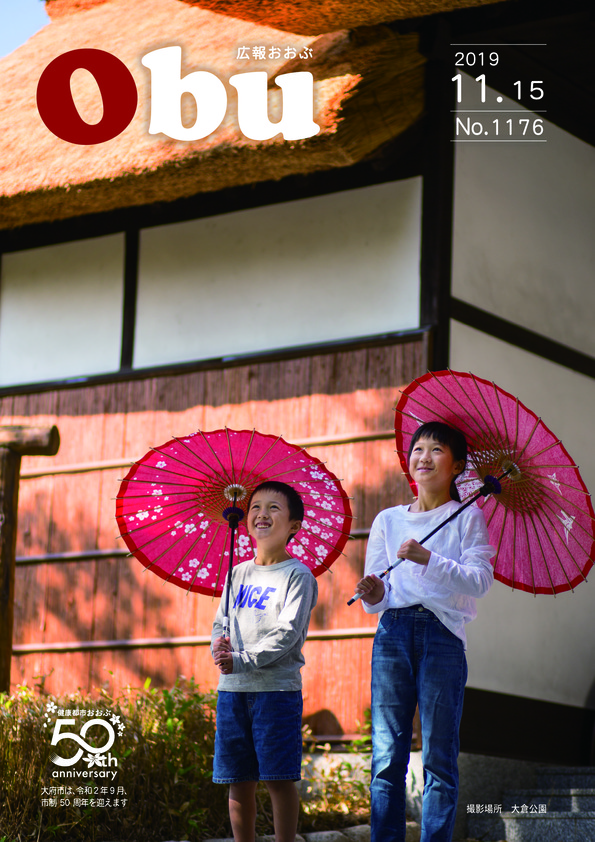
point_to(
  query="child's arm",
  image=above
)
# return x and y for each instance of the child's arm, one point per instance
(473, 573)
(376, 590)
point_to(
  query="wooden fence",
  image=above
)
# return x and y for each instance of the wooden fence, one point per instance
(88, 615)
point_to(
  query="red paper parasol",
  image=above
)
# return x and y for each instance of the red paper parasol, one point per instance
(174, 504)
(542, 523)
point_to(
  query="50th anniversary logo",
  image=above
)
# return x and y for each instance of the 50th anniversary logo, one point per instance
(91, 734)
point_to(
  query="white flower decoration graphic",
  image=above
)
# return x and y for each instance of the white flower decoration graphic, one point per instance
(94, 760)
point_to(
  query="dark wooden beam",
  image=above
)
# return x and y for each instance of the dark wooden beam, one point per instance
(437, 200)
(15, 442)
(173, 369)
(521, 337)
(131, 253)
(30, 441)
(10, 464)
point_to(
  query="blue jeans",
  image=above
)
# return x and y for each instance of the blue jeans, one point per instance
(415, 659)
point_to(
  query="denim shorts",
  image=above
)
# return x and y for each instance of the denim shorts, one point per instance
(259, 736)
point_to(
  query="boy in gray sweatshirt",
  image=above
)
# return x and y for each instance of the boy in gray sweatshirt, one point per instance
(259, 707)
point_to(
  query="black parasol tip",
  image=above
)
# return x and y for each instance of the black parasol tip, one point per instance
(233, 513)
(490, 486)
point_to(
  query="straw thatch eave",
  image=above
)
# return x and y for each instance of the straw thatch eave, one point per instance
(60, 8)
(311, 17)
(368, 89)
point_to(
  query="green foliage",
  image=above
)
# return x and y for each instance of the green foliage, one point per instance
(165, 758)
(363, 743)
(336, 787)
(165, 762)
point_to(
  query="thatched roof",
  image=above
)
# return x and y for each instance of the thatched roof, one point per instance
(368, 89)
(311, 17)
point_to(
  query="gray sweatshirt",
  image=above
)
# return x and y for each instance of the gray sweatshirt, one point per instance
(270, 607)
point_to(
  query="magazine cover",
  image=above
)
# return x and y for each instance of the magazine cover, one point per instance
(252, 242)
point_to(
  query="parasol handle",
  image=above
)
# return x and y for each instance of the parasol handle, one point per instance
(233, 515)
(491, 485)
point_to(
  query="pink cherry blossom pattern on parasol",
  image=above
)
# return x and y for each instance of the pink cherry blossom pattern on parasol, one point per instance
(173, 505)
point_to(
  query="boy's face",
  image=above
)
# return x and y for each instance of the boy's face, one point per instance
(269, 522)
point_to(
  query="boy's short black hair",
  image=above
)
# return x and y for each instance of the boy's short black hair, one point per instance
(294, 501)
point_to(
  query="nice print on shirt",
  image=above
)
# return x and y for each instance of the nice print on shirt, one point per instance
(253, 596)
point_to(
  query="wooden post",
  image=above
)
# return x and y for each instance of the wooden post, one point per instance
(15, 442)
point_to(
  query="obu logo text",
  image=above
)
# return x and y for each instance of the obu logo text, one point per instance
(120, 98)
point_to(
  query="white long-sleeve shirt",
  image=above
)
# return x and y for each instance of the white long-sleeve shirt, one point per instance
(459, 569)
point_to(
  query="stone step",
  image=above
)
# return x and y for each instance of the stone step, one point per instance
(559, 808)
(573, 800)
(359, 833)
(566, 777)
(533, 827)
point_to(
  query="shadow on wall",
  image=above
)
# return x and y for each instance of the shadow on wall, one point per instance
(590, 705)
(116, 599)
(323, 723)
(70, 601)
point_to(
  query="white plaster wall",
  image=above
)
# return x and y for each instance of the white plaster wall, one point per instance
(61, 310)
(523, 249)
(524, 231)
(540, 647)
(318, 269)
